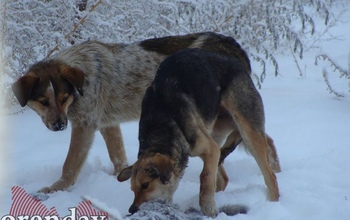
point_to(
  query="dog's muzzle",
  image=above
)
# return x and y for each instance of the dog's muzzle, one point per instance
(59, 125)
(133, 208)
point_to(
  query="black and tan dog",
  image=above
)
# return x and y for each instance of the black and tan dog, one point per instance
(97, 86)
(194, 95)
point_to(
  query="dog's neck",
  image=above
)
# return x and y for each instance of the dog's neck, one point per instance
(166, 139)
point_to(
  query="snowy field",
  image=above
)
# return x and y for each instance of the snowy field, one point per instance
(310, 128)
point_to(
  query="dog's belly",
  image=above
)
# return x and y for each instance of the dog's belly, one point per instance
(115, 118)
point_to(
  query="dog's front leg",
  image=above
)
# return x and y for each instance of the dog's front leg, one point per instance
(81, 141)
(210, 159)
(114, 141)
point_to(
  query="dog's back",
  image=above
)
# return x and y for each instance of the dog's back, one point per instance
(199, 74)
(189, 83)
(213, 42)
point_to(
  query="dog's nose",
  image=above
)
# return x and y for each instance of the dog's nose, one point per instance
(133, 208)
(59, 126)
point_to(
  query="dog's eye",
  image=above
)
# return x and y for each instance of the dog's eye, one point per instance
(144, 185)
(64, 99)
(44, 103)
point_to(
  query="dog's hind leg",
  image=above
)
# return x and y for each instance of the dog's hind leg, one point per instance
(234, 139)
(258, 147)
(255, 141)
(209, 152)
(223, 126)
(230, 145)
(221, 179)
(81, 141)
(115, 146)
(248, 114)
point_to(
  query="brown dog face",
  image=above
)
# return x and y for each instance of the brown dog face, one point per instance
(49, 89)
(152, 178)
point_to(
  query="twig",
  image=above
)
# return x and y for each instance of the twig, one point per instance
(295, 59)
(330, 25)
(330, 88)
(325, 57)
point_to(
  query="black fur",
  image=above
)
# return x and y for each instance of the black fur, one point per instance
(194, 74)
(197, 98)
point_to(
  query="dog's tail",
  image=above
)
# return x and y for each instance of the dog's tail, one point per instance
(229, 210)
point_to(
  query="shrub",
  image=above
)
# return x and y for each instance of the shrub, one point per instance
(36, 29)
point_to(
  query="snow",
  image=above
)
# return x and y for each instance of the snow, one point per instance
(310, 128)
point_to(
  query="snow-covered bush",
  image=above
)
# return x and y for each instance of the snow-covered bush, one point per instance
(33, 30)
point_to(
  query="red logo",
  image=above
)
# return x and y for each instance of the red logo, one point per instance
(28, 207)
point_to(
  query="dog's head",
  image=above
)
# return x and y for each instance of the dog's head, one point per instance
(152, 178)
(49, 89)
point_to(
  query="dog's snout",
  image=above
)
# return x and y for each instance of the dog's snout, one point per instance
(59, 126)
(133, 208)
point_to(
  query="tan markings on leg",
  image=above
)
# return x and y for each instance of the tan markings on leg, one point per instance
(230, 145)
(223, 126)
(255, 140)
(221, 179)
(115, 146)
(210, 153)
(81, 141)
(253, 134)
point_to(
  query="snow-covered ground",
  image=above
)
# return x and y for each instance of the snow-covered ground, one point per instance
(310, 128)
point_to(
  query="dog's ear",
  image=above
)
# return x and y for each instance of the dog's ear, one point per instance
(165, 177)
(125, 174)
(152, 171)
(161, 167)
(74, 76)
(23, 87)
(155, 172)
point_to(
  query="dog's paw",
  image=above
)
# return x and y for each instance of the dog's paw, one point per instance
(40, 196)
(46, 190)
(210, 211)
(59, 185)
(209, 208)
